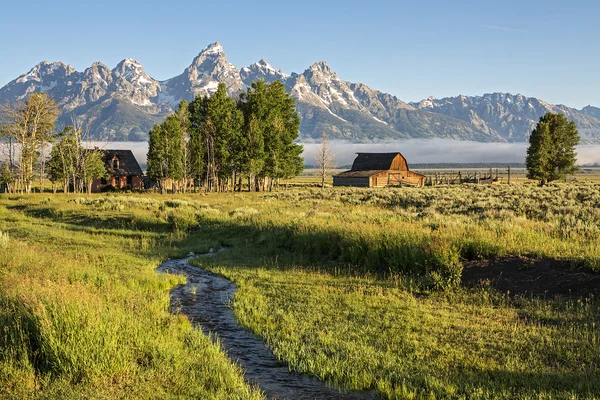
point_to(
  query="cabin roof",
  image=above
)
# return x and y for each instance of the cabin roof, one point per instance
(128, 165)
(374, 161)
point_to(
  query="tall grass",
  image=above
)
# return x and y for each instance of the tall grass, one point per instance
(84, 314)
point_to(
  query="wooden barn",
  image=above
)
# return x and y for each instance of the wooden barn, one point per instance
(379, 170)
(122, 169)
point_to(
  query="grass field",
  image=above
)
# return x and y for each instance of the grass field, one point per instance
(359, 287)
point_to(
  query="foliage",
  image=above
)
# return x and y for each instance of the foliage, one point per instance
(166, 151)
(6, 176)
(551, 153)
(73, 165)
(357, 286)
(93, 167)
(219, 141)
(84, 315)
(31, 124)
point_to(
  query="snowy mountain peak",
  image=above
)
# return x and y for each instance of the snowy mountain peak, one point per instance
(212, 49)
(320, 66)
(261, 70)
(263, 63)
(124, 103)
(129, 66)
(46, 70)
(133, 72)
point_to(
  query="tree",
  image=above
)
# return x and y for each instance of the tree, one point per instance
(183, 114)
(63, 163)
(165, 152)
(272, 124)
(252, 149)
(92, 168)
(217, 140)
(70, 163)
(551, 153)
(325, 159)
(31, 125)
(6, 177)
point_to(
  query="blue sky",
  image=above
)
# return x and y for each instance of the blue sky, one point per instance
(545, 49)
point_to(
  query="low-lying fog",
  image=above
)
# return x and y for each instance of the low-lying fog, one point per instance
(417, 151)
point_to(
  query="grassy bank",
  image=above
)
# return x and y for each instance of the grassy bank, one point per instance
(83, 315)
(359, 287)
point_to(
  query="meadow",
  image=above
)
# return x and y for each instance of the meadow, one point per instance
(360, 287)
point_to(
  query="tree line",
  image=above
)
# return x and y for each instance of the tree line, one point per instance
(223, 144)
(28, 131)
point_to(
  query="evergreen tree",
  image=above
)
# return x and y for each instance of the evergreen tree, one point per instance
(551, 153)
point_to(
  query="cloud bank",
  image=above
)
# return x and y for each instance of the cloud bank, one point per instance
(416, 151)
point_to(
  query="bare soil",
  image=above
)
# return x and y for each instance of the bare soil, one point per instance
(541, 277)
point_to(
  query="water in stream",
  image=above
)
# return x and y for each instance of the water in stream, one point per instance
(205, 299)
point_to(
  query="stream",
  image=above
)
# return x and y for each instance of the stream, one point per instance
(206, 300)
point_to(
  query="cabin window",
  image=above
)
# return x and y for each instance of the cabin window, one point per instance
(130, 180)
(115, 163)
(103, 181)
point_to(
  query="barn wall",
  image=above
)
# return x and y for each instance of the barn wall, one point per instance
(399, 164)
(380, 180)
(342, 181)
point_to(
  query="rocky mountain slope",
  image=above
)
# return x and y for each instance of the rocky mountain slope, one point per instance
(124, 103)
(511, 117)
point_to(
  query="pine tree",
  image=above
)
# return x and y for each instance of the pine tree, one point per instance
(551, 153)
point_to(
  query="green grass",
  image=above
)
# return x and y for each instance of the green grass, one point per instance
(84, 315)
(359, 287)
(367, 333)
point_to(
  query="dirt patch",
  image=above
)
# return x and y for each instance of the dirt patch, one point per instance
(539, 277)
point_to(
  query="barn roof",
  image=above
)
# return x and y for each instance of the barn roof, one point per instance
(128, 165)
(374, 161)
(360, 174)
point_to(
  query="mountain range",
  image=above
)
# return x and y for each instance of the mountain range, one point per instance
(125, 102)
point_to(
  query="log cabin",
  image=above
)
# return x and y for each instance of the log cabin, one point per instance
(123, 171)
(379, 170)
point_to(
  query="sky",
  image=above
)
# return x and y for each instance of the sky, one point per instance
(413, 50)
